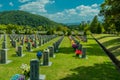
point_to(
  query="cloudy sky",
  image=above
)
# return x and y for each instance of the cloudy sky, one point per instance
(62, 11)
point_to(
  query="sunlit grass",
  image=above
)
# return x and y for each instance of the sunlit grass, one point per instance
(65, 65)
(111, 42)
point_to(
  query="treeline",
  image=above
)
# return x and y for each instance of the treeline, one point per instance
(110, 12)
(18, 29)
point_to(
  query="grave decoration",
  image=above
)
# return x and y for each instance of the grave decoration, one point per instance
(39, 55)
(34, 70)
(25, 70)
(18, 77)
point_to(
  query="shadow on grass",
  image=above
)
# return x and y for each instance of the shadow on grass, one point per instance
(95, 49)
(111, 42)
(104, 71)
(115, 43)
(66, 50)
(105, 37)
(14, 55)
(114, 47)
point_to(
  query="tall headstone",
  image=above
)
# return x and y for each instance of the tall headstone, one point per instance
(83, 52)
(29, 46)
(85, 38)
(5, 37)
(34, 69)
(54, 45)
(14, 44)
(20, 51)
(43, 41)
(4, 45)
(51, 51)
(3, 56)
(46, 58)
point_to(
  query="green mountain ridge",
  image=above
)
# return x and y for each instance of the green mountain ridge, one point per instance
(25, 18)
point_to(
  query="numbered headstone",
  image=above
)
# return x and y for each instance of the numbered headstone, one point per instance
(51, 51)
(46, 58)
(3, 56)
(29, 46)
(4, 45)
(14, 44)
(83, 52)
(5, 37)
(34, 70)
(54, 45)
(20, 51)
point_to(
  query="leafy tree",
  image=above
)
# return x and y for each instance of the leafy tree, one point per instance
(99, 29)
(110, 9)
(94, 25)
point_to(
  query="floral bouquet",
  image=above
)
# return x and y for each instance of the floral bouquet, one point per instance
(26, 70)
(39, 55)
(74, 46)
(18, 77)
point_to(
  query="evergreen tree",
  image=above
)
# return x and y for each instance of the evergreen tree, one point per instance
(94, 25)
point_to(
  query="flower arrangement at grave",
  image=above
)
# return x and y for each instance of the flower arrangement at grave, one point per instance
(76, 46)
(39, 55)
(25, 70)
(18, 77)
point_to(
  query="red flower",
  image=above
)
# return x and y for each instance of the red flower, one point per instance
(78, 51)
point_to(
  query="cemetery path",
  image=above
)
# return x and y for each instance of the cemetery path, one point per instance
(67, 67)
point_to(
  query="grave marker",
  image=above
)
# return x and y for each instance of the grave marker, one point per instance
(83, 52)
(3, 57)
(34, 70)
(20, 51)
(29, 46)
(51, 51)
(46, 58)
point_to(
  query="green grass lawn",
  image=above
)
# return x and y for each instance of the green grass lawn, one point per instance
(111, 42)
(65, 65)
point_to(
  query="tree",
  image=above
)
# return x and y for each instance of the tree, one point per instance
(94, 25)
(99, 29)
(110, 9)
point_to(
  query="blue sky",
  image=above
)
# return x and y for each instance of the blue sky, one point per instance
(62, 11)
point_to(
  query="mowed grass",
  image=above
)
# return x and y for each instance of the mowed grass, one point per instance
(66, 66)
(111, 42)
(8, 70)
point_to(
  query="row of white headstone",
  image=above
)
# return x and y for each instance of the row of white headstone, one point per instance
(19, 51)
(34, 63)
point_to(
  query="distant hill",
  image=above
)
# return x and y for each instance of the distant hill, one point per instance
(24, 18)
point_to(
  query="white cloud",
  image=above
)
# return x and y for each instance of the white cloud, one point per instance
(78, 14)
(1, 5)
(37, 6)
(11, 4)
(95, 5)
(23, 1)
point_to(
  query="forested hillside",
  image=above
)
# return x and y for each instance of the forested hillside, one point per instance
(24, 18)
